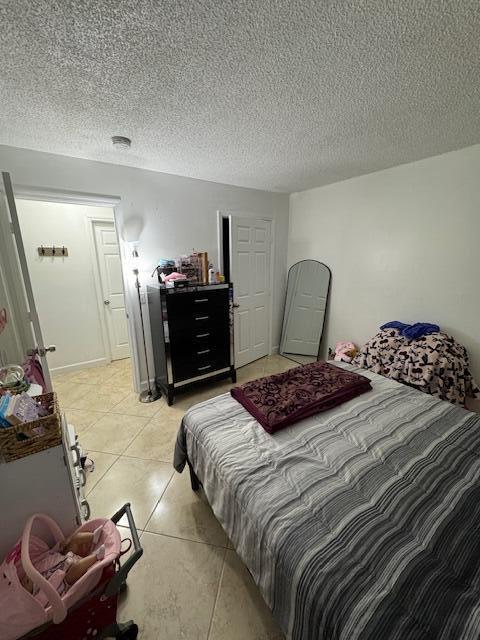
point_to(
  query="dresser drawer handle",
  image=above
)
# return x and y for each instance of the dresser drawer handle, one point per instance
(208, 366)
(199, 353)
(201, 300)
(202, 335)
(202, 318)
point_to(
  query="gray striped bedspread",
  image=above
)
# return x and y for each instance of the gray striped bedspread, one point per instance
(362, 522)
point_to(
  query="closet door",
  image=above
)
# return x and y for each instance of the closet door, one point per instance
(111, 278)
(250, 247)
(18, 304)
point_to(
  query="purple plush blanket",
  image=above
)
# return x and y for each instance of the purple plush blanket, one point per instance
(284, 398)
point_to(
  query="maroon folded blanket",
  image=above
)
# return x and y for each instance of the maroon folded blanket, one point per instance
(285, 398)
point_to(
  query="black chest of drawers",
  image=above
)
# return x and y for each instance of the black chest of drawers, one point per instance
(192, 336)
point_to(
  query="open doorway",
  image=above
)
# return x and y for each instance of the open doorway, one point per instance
(74, 262)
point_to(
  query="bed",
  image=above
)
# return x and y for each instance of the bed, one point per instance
(361, 522)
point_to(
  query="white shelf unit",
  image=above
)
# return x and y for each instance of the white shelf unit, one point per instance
(51, 482)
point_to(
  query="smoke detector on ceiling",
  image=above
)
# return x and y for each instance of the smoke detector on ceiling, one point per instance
(121, 142)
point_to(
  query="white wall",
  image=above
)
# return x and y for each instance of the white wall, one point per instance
(64, 288)
(175, 214)
(402, 244)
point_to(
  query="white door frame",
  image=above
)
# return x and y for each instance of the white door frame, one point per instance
(271, 220)
(25, 192)
(26, 284)
(16, 303)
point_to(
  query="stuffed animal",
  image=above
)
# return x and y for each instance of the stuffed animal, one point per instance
(345, 351)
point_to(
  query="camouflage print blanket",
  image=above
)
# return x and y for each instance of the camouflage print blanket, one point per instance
(435, 364)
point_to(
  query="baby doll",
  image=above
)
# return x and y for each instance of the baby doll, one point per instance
(67, 562)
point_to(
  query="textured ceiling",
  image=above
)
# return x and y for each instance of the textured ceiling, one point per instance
(273, 94)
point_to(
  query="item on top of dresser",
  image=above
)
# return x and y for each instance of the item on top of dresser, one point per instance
(178, 284)
(211, 275)
(190, 266)
(203, 263)
(166, 263)
(282, 399)
(173, 276)
(164, 268)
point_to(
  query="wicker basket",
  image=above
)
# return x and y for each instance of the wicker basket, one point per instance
(41, 434)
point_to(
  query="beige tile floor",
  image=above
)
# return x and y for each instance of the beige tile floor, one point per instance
(190, 584)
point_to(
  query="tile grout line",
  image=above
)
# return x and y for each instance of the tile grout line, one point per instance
(122, 452)
(128, 455)
(107, 411)
(158, 501)
(217, 594)
(103, 474)
(80, 434)
(130, 442)
(118, 455)
(169, 535)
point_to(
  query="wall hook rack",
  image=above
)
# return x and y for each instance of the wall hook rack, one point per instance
(53, 252)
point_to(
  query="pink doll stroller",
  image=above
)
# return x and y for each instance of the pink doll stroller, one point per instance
(88, 608)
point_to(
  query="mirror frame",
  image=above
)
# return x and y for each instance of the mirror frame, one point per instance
(285, 306)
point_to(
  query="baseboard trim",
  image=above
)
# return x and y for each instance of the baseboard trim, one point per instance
(87, 364)
(275, 349)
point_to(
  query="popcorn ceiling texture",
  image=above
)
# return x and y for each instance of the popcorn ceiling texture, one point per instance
(273, 94)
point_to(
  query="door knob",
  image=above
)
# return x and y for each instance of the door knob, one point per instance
(235, 305)
(42, 351)
(106, 302)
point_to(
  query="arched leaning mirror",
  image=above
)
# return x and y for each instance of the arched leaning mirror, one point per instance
(305, 307)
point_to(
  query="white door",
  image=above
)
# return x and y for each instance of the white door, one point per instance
(307, 292)
(21, 335)
(110, 270)
(250, 245)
